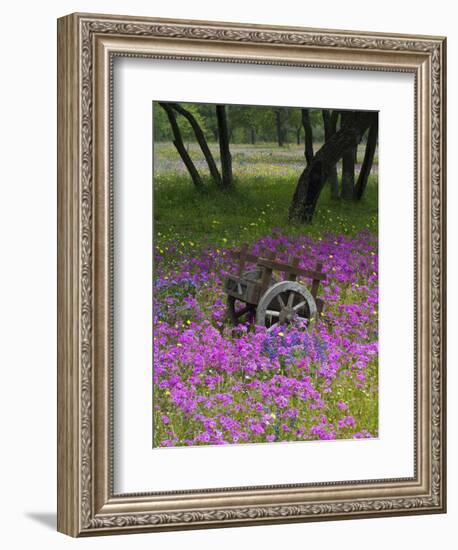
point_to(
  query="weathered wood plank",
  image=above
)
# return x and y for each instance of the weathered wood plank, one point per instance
(288, 268)
(316, 280)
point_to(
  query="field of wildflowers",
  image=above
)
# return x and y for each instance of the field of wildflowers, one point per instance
(216, 384)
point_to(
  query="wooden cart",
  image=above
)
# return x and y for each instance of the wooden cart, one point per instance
(258, 296)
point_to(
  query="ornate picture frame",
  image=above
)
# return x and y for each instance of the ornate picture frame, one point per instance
(87, 46)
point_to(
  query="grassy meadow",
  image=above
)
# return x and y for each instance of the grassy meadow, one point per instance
(265, 181)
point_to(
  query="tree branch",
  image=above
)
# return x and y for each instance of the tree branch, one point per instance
(308, 150)
(200, 137)
(366, 168)
(178, 142)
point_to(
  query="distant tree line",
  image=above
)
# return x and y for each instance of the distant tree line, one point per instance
(340, 133)
(246, 124)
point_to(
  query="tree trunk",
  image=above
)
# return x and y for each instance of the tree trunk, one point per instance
(311, 181)
(363, 177)
(200, 137)
(179, 145)
(308, 150)
(253, 135)
(348, 174)
(330, 128)
(226, 159)
(348, 167)
(279, 127)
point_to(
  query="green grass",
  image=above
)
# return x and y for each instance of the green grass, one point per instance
(256, 206)
(265, 180)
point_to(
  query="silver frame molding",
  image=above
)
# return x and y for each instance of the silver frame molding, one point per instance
(87, 45)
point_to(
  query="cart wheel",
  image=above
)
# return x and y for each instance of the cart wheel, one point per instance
(282, 302)
(239, 311)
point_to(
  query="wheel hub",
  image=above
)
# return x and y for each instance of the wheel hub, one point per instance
(286, 315)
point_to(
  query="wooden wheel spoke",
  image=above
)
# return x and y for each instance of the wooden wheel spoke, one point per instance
(272, 313)
(290, 299)
(300, 305)
(280, 301)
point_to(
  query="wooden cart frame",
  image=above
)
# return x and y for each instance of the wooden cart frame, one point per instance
(266, 300)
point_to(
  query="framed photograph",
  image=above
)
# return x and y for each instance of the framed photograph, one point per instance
(251, 289)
